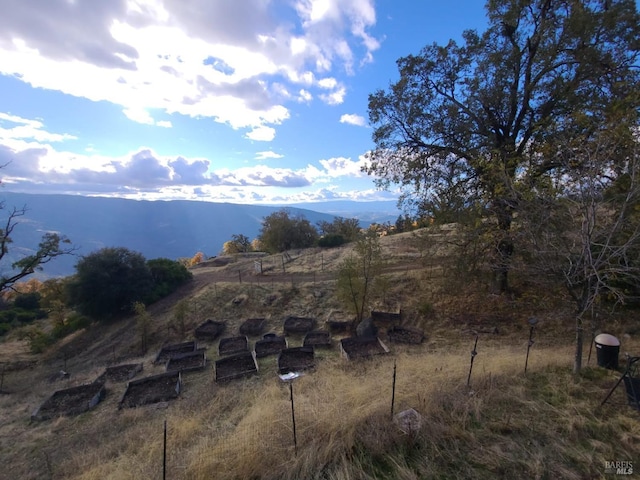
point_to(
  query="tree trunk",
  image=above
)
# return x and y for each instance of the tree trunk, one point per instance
(504, 248)
(577, 361)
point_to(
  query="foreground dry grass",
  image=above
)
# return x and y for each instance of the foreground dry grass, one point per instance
(546, 424)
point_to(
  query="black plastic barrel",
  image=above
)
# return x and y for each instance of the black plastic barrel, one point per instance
(608, 348)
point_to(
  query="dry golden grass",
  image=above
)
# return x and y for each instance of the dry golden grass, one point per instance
(546, 424)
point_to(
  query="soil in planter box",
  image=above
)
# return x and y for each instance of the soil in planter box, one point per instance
(235, 366)
(318, 338)
(299, 324)
(231, 345)
(340, 326)
(158, 388)
(187, 362)
(210, 330)
(295, 359)
(176, 349)
(120, 373)
(358, 347)
(405, 335)
(71, 401)
(252, 326)
(270, 345)
(386, 318)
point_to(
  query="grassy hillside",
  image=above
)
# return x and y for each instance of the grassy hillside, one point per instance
(545, 424)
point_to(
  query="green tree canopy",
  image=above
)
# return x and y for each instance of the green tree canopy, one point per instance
(481, 118)
(108, 282)
(281, 231)
(347, 228)
(167, 276)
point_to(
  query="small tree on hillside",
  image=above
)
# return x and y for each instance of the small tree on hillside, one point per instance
(281, 232)
(585, 231)
(358, 274)
(238, 244)
(143, 323)
(109, 281)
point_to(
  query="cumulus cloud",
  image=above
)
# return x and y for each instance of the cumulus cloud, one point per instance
(233, 62)
(267, 155)
(353, 119)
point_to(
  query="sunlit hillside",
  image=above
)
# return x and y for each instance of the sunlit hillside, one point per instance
(480, 416)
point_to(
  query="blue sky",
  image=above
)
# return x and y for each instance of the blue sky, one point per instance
(248, 101)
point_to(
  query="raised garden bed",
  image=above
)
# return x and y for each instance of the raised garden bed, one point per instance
(298, 324)
(387, 318)
(176, 349)
(405, 335)
(362, 347)
(318, 338)
(187, 362)
(231, 345)
(154, 389)
(295, 359)
(210, 330)
(270, 344)
(236, 366)
(339, 326)
(120, 373)
(71, 401)
(252, 326)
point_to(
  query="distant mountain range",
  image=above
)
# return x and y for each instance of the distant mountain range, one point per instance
(169, 229)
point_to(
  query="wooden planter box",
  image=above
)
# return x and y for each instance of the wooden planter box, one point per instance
(386, 318)
(340, 326)
(231, 345)
(271, 344)
(298, 325)
(405, 335)
(154, 389)
(318, 338)
(210, 330)
(362, 347)
(71, 401)
(295, 359)
(252, 326)
(176, 349)
(120, 373)
(187, 362)
(236, 366)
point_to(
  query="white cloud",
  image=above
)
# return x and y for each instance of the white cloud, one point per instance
(334, 98)
(267, 155)
(24, 129)
(353, 119)
(233, 62)
(262, 134)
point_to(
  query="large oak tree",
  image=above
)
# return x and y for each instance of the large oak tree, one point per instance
(480, 119)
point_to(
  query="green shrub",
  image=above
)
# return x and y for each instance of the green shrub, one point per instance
(331, 240)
